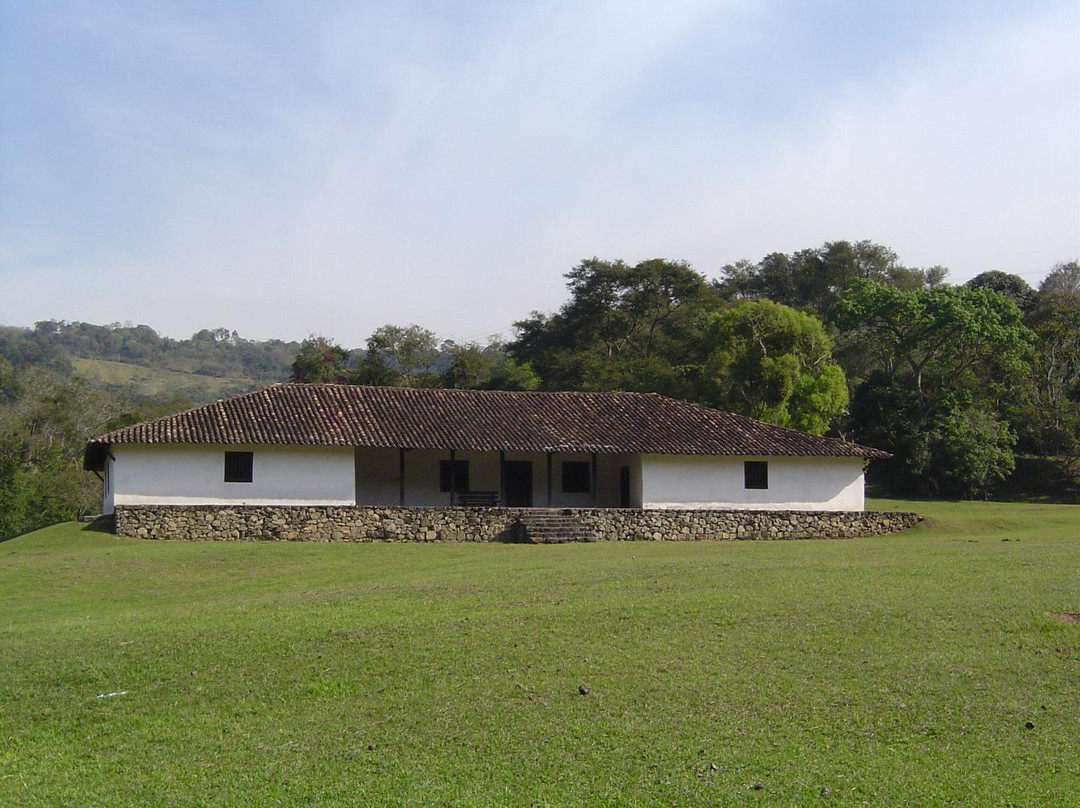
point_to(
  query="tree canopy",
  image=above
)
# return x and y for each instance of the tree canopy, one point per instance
(945, 360)
(320, 361)
(401, 356)
(815, 278)
(625, 327)
(1013, 287)
(1050, 413)
(773, 363)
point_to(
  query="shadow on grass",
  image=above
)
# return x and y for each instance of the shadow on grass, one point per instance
(102, 524)
(1034, 481)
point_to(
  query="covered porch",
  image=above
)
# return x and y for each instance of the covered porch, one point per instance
(513, 479)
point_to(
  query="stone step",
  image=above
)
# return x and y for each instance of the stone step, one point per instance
(548, 527)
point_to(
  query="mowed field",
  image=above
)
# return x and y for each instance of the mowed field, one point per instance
(934, 667)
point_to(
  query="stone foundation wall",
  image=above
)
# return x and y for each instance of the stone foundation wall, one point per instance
(329, 523)
(689, 525)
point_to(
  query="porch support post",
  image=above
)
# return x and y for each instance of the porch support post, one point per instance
(549, 478)
(502, 477)
(593, 479)
(453, 477)
(401, 476)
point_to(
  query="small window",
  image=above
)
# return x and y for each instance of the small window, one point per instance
(460, 479)
(239, 466)
(756, 473)
(575, 477)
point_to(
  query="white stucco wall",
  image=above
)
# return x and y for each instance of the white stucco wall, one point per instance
(795, 483)
(194, 475)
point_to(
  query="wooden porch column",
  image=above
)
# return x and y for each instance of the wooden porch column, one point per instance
(549, 478)
(593, 480)
(453, 477)
(401, 476)
(502, 477)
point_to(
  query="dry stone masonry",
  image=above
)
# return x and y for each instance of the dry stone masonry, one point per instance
(368, 524)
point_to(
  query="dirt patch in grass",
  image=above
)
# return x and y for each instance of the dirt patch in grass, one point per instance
(1065, 617)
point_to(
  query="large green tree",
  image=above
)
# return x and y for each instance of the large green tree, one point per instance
(815, 278)
(773, 363)
(471, 366)
(320, 361)
(401, 356)
(1007, 285)
(625, 327)
(948, 360)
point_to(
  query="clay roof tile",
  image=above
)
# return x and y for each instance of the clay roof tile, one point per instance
(394, 417)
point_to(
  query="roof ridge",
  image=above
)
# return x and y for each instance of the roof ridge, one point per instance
(459, 390)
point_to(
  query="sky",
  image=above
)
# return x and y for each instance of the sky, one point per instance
(330, 166)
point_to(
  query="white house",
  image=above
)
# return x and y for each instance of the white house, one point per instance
(295, 444)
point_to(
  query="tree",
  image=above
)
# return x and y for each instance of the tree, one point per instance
(401, 356)
(320, 361)
(1051, 408)
(512, 375)
(936, 335)
(815, 278)
(956, 448)
(1011, 286)
(624, 327)
(773, 363)
(1064, 278)
(948, 359)
(475, 367)
(470, 365)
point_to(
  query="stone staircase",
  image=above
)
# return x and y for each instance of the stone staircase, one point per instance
(551, 526)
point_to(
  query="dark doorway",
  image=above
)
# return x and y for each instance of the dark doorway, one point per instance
(519, 483)
(624, 487)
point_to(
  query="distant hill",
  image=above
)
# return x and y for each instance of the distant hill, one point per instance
(140, 364)
(138, 383)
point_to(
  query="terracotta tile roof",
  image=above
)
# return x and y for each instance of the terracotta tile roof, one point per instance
(394, 417)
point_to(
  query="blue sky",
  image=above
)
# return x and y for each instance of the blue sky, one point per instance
(328, 167)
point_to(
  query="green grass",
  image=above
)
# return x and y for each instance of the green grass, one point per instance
(895, 670)
(147, 382)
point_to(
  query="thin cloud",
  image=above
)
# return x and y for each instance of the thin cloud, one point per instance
(335, 167)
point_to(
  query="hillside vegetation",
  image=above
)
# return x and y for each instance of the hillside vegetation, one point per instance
(217, 353)
(933, 667)
(64, 383)
(139, 383)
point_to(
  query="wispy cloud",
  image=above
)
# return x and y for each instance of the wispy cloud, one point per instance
(337, 166)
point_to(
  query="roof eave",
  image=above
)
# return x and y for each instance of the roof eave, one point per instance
(95, 455)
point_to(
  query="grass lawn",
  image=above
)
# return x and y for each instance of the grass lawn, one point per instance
(924, 668)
